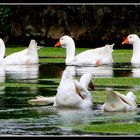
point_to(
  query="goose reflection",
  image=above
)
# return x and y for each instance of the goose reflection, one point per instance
(2, 79)
(135, 72)
(100, 71)
(2, 74)
(67, 116)
(23, 72)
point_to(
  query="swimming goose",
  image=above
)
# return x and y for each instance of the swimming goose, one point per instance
(98, 56)
(2, 49)
(135, 41)
(26, 56)
(119, 102)
(70, 93)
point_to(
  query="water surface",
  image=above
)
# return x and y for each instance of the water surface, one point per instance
(17, 117)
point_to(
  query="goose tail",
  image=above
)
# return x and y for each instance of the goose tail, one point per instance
(41, 100)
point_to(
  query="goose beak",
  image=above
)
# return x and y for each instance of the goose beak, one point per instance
(58, 44)
(125, 41)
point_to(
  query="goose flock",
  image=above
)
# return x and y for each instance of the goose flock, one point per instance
(75, 93)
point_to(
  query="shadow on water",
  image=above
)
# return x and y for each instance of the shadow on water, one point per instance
(17, 117)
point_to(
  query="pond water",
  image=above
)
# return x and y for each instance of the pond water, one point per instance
(17, 117)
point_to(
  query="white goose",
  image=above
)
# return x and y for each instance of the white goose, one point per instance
(2, 49)
(135, 41)
(70, 93)
(119, 102)
(98, 56)
(26, 56)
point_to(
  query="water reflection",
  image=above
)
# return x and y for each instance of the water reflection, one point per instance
(68, 116)
(71, 116)
(2, 79)
(115, 70)
(126, 70)
(51, 70)
(55, 71)
(100, 71)
(135, 72)
(49, 120)
(122, 65)
(17, 117)
(23, 72)
(2, 74)
(18, 74)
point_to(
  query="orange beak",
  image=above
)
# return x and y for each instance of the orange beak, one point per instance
(125, 41)
(58, 44)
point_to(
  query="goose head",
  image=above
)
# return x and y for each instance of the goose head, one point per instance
(33, 44)
(131, 39)
(110, 47)
(65, 41)
(117, 102)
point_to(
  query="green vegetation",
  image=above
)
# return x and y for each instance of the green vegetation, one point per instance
(5, 14)
(112, 129)
(118, 81)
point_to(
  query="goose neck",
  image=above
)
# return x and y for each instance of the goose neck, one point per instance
(70, 53)
(2, 50)
(136, 48)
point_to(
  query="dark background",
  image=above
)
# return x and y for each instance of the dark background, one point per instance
(90, 25)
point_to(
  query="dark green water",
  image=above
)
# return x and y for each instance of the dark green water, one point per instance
(17, 117)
